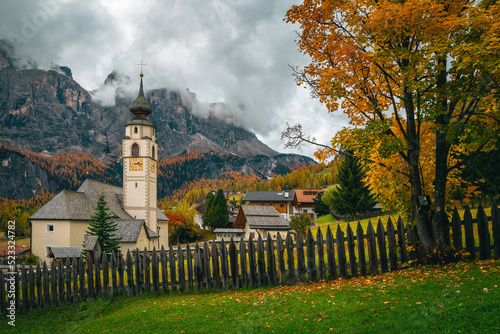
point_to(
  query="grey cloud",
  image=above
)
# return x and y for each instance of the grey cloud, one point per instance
(233, 52)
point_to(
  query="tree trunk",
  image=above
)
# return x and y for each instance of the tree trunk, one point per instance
(422, 220)
(440, 219)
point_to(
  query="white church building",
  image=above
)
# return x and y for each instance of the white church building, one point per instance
(64, 220)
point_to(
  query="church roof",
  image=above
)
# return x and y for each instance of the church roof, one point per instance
(80, 204)
(140, 107)
(129, 229)
(66, 205)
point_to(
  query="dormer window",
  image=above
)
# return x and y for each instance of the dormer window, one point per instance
(135, 150)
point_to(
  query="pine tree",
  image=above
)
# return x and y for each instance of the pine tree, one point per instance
(103, 227)
(219, 216)
(319, 207)
(207, 219)
(352, 195)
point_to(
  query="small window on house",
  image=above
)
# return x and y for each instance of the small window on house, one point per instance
(135, 150)
(135, 129)
(154, 152)
(47, 250)
(50, 228)
(304, 211)
(282, 205)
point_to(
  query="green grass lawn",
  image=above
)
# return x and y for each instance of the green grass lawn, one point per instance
(459, 298)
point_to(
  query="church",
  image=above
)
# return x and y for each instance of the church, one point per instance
(64, 220)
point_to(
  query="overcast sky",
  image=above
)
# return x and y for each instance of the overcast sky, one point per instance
(234, 51)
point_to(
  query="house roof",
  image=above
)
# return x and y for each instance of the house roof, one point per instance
(229, 230)
(80, 204)
(306, 196)
(64, 252)
(264, 217)
(129, 229)
(269, 196)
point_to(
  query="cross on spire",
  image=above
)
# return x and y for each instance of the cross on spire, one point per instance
(141, 64)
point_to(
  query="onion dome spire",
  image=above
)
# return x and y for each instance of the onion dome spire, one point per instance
(141, 108)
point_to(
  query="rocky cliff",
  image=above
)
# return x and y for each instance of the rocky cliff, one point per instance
(49, 113)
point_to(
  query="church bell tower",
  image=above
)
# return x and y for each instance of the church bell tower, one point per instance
(140, 156)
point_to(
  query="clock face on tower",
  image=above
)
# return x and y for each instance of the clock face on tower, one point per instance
(153, 167)
(135, 164)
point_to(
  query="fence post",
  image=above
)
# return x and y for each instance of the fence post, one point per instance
(189, 260)
(81, 276)
(147, 270)
(154, 268)
(180, 265)
(372, 248)
(341, 252)
(271, 263)
(456, 223)
(138, 274)
(198, 267)
(281, 260)
(39, 290)
(321, 254)
(402, 240)
(60, 280)
(24, 287)
(215, 266)
(68, 280)
(130, 274)
(301, 265)
(252, 265)
(469, 234)
(233, 259)
(352, 255)
(495, 221)
(330, 254)
(261, 264)
(74, 273)
(391, 238)
(290, 258)
(361, 249)
(243, 262)
(31, 283)
(90, 278)
(171, 263)
(484, 234)
(224, 265)
(206, 267)
(105, 274)
(164, 270)
(382, 247)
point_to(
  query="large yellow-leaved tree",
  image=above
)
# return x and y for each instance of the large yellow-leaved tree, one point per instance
(407, 65)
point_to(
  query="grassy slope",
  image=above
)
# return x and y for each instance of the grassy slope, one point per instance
(459, 298)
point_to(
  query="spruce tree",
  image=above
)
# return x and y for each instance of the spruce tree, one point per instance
(219, 216)
(352, 195)
(319, 207)
(207, 219)
(103, 227)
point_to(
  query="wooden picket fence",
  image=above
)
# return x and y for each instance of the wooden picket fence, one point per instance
(235, 265)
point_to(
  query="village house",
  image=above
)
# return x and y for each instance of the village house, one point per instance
(64, 220)
(257, 220)
(283, 201)
(305, 202)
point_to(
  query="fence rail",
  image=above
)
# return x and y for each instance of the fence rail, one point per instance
(235, 265)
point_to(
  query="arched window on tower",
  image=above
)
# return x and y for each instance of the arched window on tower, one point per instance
(135, 150)
(154, 153)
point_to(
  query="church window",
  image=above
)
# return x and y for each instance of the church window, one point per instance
(135, 150)
(153, 152)
(50, 228)
(135, 129)
(136, 184)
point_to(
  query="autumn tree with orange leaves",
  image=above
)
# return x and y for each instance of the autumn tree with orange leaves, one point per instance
(407, 65)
